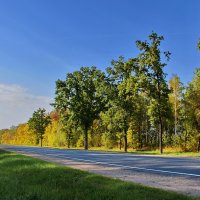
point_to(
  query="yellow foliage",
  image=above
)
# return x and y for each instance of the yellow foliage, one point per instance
(22, 136)
(53, 135)
(7, 138)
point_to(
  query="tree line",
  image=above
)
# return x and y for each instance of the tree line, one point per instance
(130, 105)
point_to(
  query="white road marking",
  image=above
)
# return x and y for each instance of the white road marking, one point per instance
(112, 164)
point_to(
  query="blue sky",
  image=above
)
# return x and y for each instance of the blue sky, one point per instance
(42, 40)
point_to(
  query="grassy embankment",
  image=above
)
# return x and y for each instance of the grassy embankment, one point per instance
(25, 178)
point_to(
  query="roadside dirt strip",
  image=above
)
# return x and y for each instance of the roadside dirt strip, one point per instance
(189, 185)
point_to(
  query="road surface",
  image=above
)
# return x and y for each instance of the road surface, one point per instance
(181, 174)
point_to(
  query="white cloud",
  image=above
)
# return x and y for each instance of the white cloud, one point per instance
(17, 105)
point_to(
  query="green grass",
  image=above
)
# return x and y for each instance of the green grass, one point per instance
(25, 178)
(166, 152)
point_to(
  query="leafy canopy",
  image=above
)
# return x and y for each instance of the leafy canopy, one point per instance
(82, 93)
(38, 122)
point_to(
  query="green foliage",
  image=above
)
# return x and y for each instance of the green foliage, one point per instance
(193, 96)
(122, 95)
(175, 98)
(82, 93)
(38, 123)
(156, 85)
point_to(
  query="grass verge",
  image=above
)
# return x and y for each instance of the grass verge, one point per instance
(166, 152)
(25, 178)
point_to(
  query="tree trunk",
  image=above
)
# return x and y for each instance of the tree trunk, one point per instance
(120, 143)
(125, 135)
(160, 135)
(125, 142)
(41, 142)
(86, 138)
(139, 137)
(146, 138)
(198, 147)
(185, 140)
(125, 139)
(68, 140)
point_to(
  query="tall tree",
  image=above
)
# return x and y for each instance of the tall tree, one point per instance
(156, 86)
(82, 93)
(38, 123)
(193, 96)
(123, 93)
(175, 97)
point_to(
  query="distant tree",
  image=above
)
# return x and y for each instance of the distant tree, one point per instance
(6, 136)
(193, 96)
(155, 83)
(38, 123)
(175, 97)
(113, 121)
(23, 135)
(68, 126)
(140, 121)
(185, 120)
(198, 45)
(82, 93)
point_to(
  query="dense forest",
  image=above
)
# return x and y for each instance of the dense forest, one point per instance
(129, 106)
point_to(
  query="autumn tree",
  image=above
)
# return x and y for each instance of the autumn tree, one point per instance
(23, 135)
(38, 123)
(83, 95)
(193, 96)
(7, 137)
(53, 135)
(151, 66)
(175, 98)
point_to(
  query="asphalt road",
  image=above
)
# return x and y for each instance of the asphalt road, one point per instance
(180, 174)
(183, 166)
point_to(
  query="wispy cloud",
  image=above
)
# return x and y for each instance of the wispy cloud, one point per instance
(17, 104)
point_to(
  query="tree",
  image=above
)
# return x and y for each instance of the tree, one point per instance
(23, 135)
(193, 96)
(82, 93)
(111, 124)
(122, 94)
(68, 126)
(198, 45)
(140, 120)
(185, 120)
(38, 123)
(155, 83)
(175, 98)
